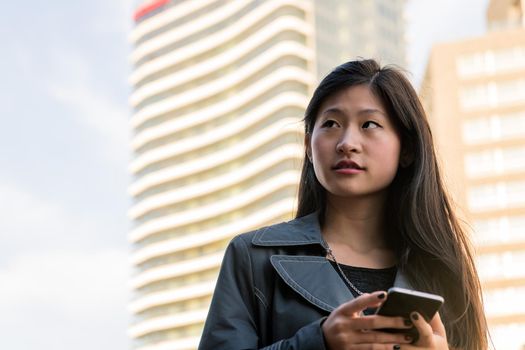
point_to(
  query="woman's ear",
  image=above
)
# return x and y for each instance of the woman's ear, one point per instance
(308, 147)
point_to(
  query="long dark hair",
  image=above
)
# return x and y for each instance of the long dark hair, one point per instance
(431, 247)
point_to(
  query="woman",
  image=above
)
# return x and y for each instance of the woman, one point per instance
(372, 214)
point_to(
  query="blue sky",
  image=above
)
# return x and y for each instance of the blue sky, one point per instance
(64, 154)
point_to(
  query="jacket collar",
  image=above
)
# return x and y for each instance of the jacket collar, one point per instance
(312, 277)
(302, 231)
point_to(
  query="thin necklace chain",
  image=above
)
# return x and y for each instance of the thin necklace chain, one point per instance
(332, 256)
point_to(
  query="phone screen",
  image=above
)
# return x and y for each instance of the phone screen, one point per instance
(402, 302)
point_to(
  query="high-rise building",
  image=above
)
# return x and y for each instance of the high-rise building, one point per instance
(220, 88)
(474, 92)
(346, 29)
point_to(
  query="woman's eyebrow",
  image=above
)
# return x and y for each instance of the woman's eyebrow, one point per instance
(366, 111)
(332, 110)
(371, 111)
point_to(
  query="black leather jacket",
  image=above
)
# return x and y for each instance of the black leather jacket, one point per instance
(274, 289)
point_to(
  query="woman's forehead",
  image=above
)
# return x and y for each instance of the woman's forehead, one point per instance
(355, 100)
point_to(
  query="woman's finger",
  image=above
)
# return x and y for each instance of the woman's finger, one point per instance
(424, 329)
(373, 322)
(393, 346)
(363, 302)
(437, 325)
(390, 346)
(374, 337)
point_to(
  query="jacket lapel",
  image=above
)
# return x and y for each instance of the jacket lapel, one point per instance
(312, 277)
(316, 280)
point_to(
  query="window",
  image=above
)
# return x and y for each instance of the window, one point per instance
(496, 196)
(495, 161)
(506, 229)
(508, 336)
(501, 265)
(475, 96)
(468, 65)
(490, 62)
(494, 128)
(492, 94)
(504, 301)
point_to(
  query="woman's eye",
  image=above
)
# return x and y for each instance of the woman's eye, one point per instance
(370, 125)
(329, 124)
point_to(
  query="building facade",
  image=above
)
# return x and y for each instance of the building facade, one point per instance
(474, 92)
(219, 91)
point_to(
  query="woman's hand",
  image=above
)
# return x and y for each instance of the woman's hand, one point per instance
(347, 328)
(432, 334)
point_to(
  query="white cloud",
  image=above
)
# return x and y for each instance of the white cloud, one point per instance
(121, 14)
(82, 282)
(61, 286)
(56, 291)
(50, 244)
(94, 110)
(73, 86)
(31, 223)
(64, 300)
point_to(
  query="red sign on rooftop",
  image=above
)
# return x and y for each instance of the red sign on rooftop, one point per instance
(146, 8)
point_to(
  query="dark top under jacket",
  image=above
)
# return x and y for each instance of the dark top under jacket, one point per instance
(369, 280)
(274, 289)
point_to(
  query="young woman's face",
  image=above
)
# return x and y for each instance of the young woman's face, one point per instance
(354, 146)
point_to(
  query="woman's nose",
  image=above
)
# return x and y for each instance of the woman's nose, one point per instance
(349, 143)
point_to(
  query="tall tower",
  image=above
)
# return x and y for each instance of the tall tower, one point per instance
(474, 92)
(220, 88)
(348, 28)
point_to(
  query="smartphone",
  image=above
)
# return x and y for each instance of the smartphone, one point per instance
(402, 302)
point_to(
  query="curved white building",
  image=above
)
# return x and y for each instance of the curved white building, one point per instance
(220, 89)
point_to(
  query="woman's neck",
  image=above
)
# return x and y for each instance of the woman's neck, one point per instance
(355, 231)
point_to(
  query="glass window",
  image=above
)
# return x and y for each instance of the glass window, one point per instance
(474, 96)
(513, 125)
(504, 301)
(500, 230)
(478, 130)
(511, 91)
(494, 128)
(515, 193)
(496, 196)
(492, 94)
(501, 265)
(490, 62)
(495, 162)
(508, 59)
(485, 197)
(472, 64)
(481, 163)
(509, 336)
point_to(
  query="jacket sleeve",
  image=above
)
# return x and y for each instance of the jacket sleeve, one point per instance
(231, 323)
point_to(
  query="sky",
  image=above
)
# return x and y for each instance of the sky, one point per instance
(64, 150)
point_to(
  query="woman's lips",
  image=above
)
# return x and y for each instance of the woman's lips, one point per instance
(349, 171)
(347, 164)
(348, 167)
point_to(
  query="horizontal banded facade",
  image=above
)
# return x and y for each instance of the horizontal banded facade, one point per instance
(220, 88)
(219, 93)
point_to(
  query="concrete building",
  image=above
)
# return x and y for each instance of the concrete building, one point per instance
(474, 92)
(219, 91)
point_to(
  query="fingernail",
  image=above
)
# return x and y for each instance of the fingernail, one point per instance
(381, 296)
(415, 317)
(407, 322)
(397, 347)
